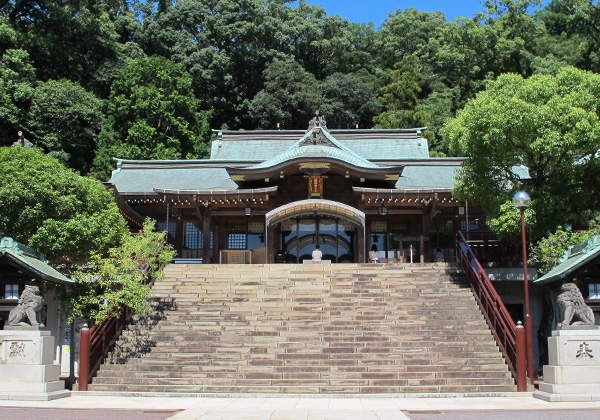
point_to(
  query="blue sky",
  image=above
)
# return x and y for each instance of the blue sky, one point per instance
(376, 11)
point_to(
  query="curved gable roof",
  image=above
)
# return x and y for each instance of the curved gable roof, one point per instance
(333, 150)
(31, 261)
(369, 144)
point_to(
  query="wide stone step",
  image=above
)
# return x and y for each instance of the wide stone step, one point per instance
(108, 375)
(364, 379)
(410, 371)
(352, 328)
(340, 348)
(315, 389)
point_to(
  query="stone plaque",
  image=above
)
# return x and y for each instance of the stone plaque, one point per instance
(571, 348)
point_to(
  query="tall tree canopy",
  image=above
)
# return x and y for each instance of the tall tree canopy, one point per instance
(152, 114)
(546, 125)
(66, 120)
(54, 209)
(348, 100)
(290, 97)
(405, 33)
(231, 51)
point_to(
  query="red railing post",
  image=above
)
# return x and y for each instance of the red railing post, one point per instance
(84, 358)
(521, 358)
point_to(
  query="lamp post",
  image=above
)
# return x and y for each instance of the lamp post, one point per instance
(521, 200)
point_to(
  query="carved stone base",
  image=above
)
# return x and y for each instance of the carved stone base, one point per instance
(39, 327)
(27, 371)
(574, 370)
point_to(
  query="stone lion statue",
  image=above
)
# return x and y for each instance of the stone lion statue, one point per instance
(573, 307)
(30, 304)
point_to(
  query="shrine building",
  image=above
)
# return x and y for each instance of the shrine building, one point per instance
(271, 196)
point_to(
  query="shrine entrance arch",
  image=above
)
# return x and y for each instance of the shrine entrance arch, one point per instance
(296, 228)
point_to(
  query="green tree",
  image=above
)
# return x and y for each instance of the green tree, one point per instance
(290, 97)
(507, 223)
(400, 98)
(54, 209)
(349, 99)
(405, 33)
(123, 277)
(152, 114)
(574, 25)
(66, 120)
(17, 81)
(69, 39)
(323, 44)
(548, 252)
(542, 130)
(226, 46)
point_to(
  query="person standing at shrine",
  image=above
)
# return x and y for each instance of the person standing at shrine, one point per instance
(374, 254)
(317, 254)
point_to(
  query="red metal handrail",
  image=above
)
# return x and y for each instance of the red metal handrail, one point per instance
(491, 304)
(103, 336)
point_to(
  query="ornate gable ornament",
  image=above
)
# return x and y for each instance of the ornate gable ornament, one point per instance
(317, 137)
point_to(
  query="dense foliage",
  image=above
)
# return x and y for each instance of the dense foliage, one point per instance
(47, 206)
(549, 251)
(123, 277)
(253, 64)
(152, 114)
(544, 130)
(91, 80)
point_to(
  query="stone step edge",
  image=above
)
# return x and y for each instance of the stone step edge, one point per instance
(528, 394)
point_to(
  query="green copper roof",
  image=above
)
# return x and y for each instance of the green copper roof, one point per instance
(384, 144)
(262, 145)
(367, 150)
(333, 151)
(145, 176)
(30, 260)
(434, 173)
(252, 145)
(574, 258)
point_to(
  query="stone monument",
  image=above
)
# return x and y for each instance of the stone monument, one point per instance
(27, 369)
(573, 373)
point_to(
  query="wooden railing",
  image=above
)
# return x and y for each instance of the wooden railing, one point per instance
(103, 336)
(99, 340)
(490, 302)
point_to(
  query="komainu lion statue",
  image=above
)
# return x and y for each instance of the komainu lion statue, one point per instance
(30, 303)
(573, 307)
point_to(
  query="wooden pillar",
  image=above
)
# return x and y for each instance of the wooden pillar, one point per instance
(216, 242)
(221, 243)
(178, 237)
(401, 250)
(365, 248)
(425, 242)
(360, 245)
(206, 224)
(273, 243)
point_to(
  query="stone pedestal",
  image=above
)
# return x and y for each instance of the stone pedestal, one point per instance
(573, 373)
(27, 371)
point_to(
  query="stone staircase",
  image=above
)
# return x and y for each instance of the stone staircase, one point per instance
(317, 329)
